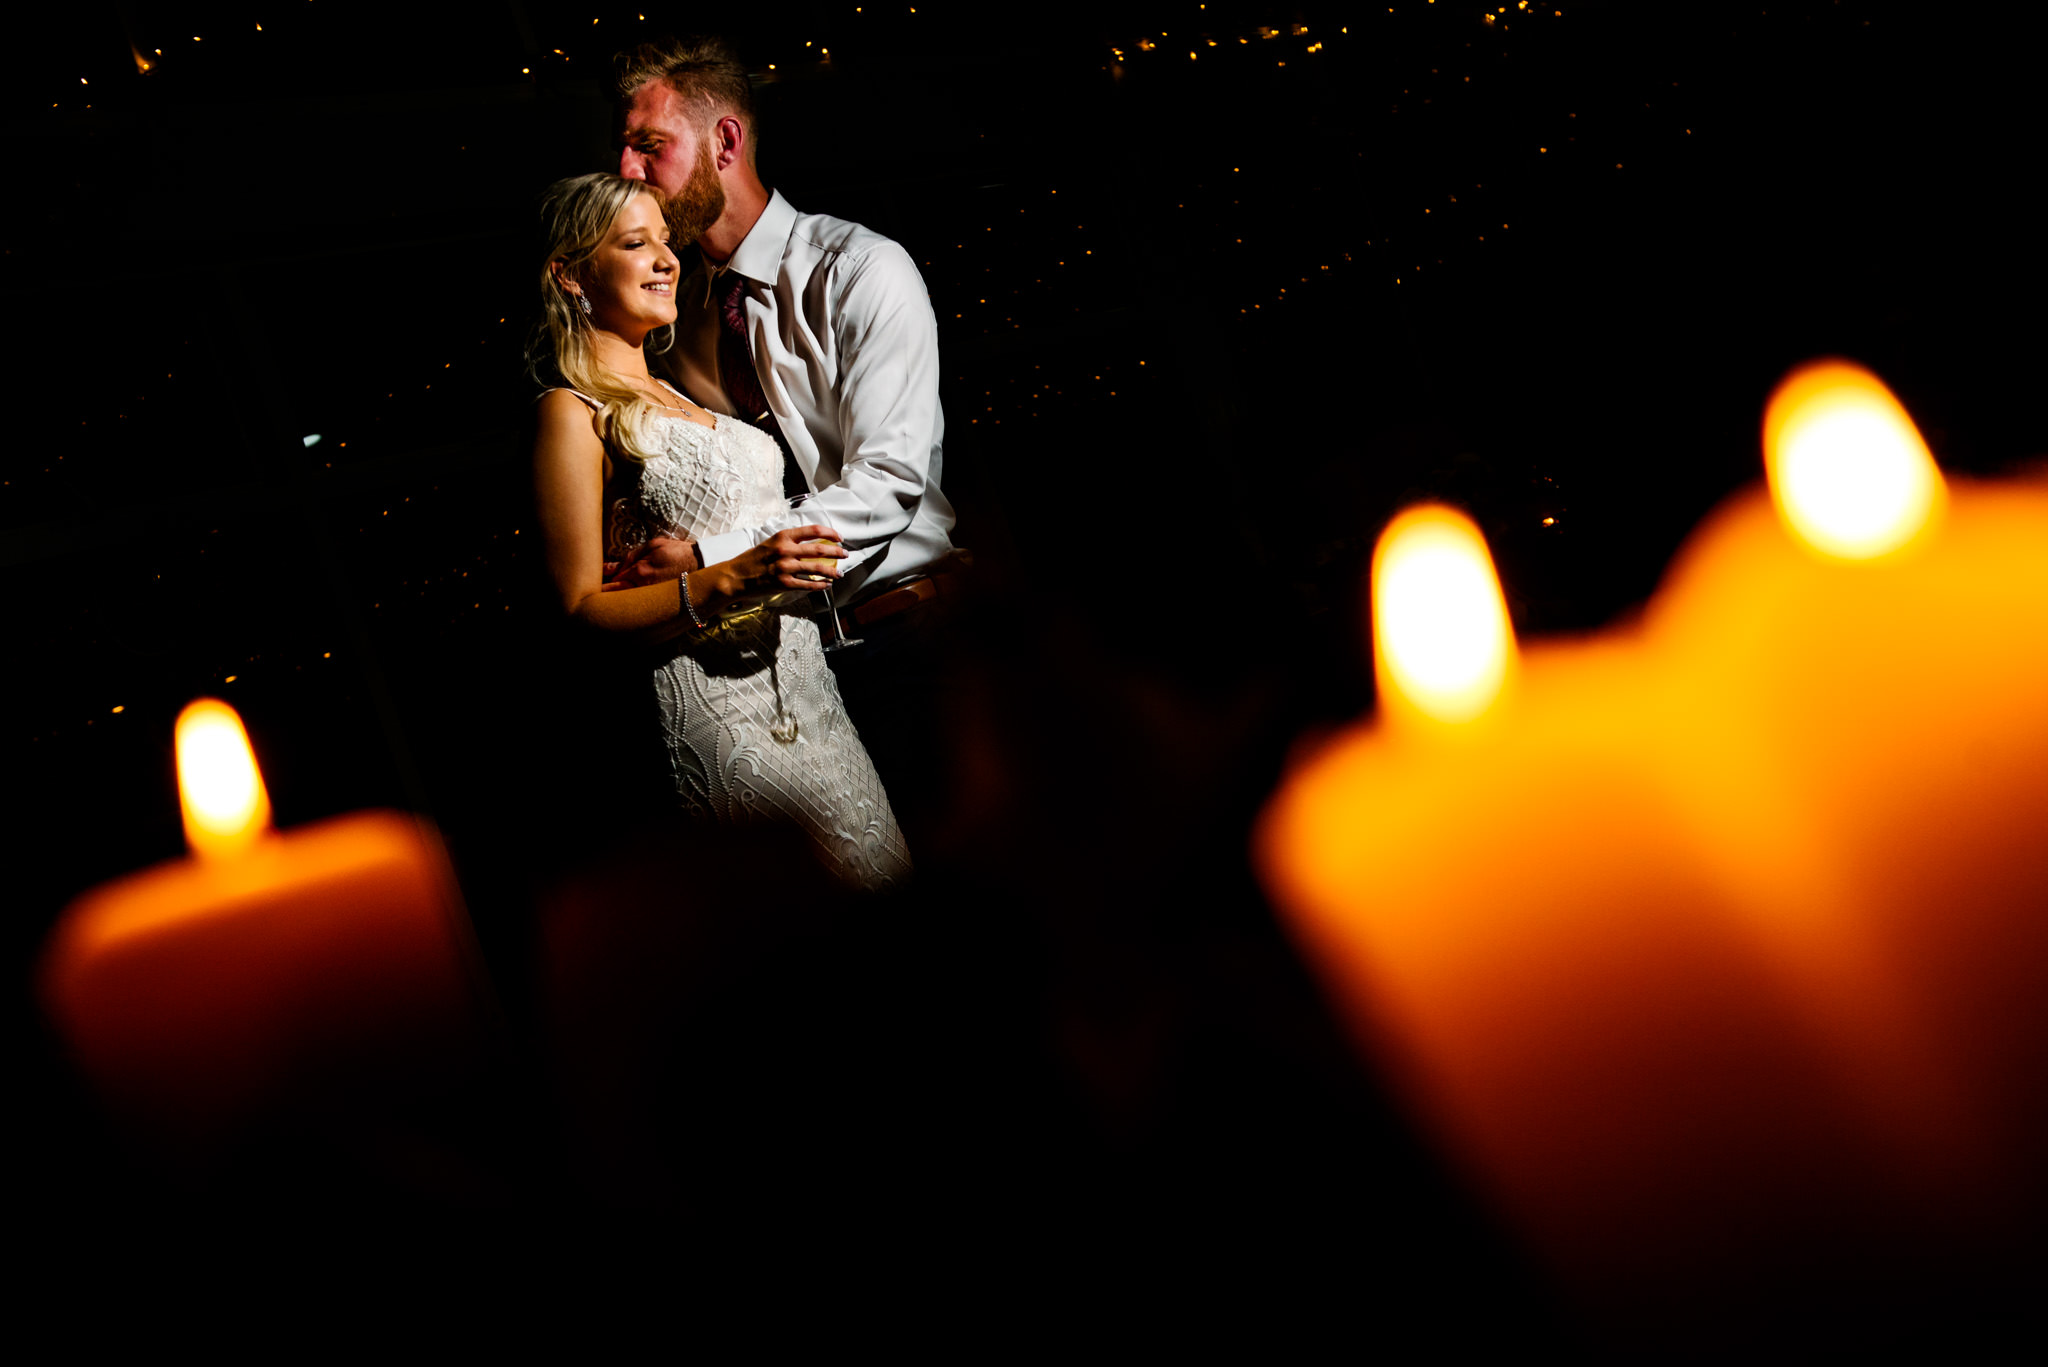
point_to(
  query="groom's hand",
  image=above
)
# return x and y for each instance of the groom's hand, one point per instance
(663, 557)
(802, 558)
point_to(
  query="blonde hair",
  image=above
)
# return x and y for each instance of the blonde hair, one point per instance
(576, 214)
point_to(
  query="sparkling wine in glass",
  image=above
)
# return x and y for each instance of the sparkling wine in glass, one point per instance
(840, 640)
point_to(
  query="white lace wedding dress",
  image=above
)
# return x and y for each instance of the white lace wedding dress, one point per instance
(751, 714)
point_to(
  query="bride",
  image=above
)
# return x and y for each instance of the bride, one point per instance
(749, 712)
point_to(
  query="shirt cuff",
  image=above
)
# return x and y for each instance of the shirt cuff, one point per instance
(724, 546)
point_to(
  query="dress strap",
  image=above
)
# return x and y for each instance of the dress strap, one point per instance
(595, 406)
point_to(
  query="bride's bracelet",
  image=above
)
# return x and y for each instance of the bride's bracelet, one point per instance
(690, 607)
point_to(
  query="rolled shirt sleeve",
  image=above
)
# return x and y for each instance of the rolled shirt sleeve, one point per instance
(888, 398)
(851, 374)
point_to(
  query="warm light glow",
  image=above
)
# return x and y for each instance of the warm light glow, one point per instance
(1441, 641)
(1848, 470)
(219, 789)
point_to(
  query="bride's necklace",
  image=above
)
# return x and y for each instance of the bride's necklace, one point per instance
(660, 399)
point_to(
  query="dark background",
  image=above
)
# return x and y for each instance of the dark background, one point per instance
(1219, 287)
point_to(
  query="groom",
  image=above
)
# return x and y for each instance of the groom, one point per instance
(820, 332)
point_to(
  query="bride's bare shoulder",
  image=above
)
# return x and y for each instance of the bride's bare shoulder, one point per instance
(566, 426)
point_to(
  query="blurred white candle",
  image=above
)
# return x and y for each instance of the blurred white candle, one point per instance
(199, 990)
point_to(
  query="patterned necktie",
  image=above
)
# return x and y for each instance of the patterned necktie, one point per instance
(742, 384)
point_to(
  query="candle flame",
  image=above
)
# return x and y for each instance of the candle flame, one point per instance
(1848, 470)
(220, 790)
(1442, 643)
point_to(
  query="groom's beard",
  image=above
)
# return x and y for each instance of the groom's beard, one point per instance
(694, 208)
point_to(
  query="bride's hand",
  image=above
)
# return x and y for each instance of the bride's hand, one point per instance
(801, 558)
(663, 557)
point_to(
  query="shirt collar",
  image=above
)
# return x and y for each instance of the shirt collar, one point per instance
(759, 255)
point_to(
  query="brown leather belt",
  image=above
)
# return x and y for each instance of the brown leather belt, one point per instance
(902, 598)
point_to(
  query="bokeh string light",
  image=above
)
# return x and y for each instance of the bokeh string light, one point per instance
(1428, 226)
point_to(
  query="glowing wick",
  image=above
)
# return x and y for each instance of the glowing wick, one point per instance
(1441, 640)
(1848, 470)
(220, 791)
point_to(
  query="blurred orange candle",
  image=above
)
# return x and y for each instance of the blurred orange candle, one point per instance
(1725, 931)
(200, 990)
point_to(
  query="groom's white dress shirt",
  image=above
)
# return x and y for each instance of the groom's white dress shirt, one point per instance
(846, 350)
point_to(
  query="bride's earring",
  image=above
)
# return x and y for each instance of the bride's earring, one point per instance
(584, 300)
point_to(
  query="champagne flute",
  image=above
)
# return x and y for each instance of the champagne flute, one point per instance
(839, 639)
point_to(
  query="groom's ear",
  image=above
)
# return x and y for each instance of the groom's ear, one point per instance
(729, 137)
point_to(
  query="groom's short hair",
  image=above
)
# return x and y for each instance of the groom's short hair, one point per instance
(705, 71)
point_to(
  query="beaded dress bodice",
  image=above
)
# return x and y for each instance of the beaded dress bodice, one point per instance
(706, 480)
